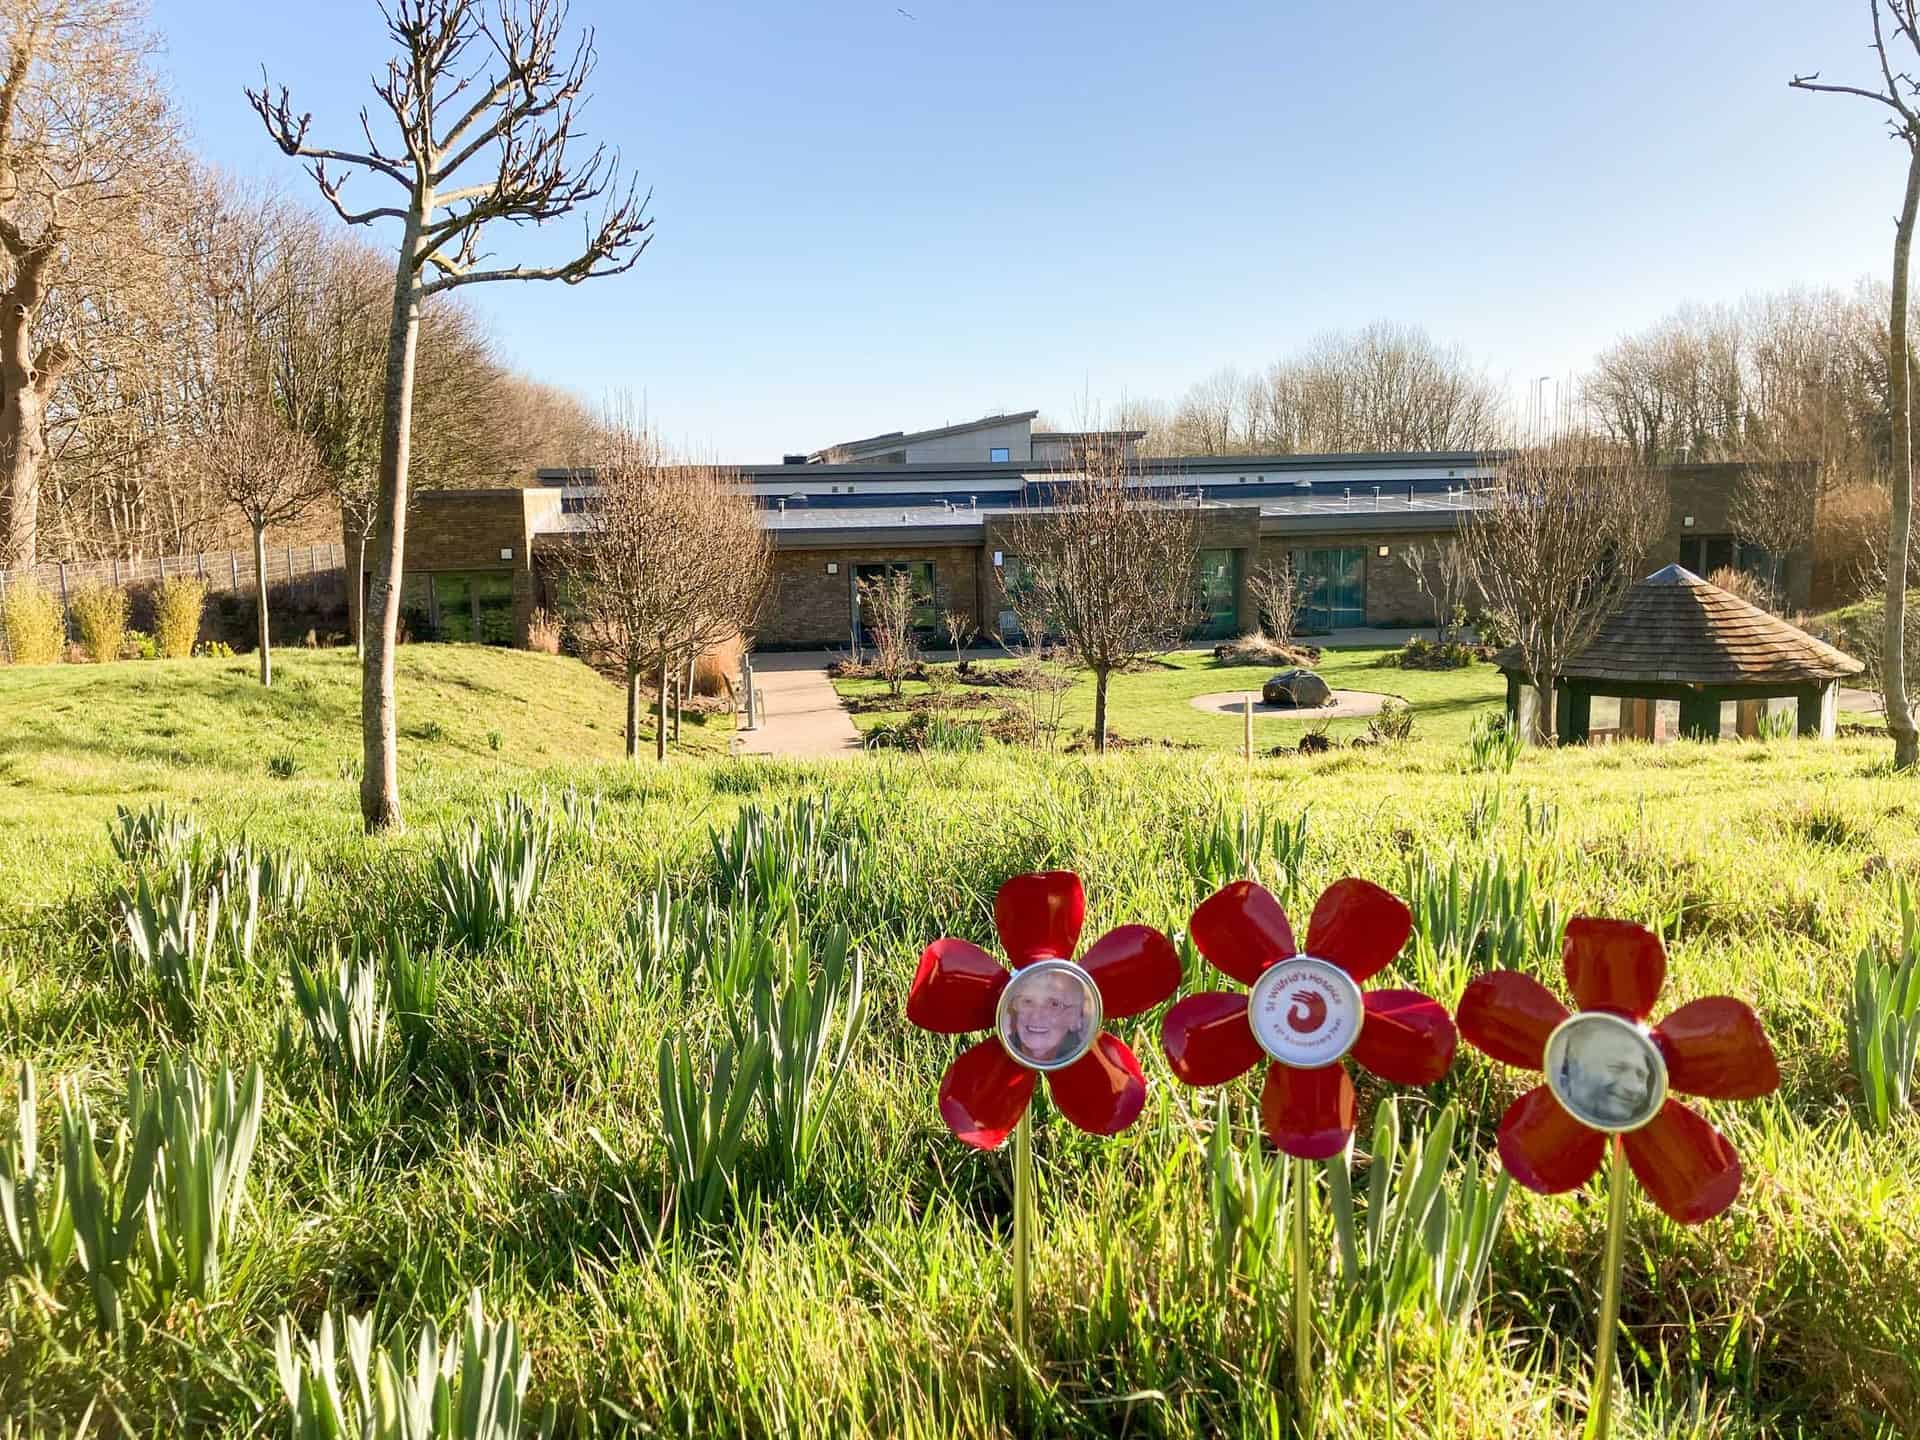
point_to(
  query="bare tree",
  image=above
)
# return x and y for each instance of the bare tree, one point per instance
(85, 139)
(269, 473)
(1441, 573)
(960, 631)
(1555, 541)
(886, 606)
(481, 91)
(1276, 600)
(671, 559)
(1899, 92)
(1773, 508)
(1109, 564)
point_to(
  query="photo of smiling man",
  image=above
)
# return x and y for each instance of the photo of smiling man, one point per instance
(1606, 1072)
(1049, 1017)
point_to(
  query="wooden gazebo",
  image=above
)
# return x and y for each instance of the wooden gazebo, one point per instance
(1675, 637)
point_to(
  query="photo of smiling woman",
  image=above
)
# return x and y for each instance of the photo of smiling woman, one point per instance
(1048, 1019)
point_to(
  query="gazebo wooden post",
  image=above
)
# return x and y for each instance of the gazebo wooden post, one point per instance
(1699, 718)
(1819, 710)
(1513, 702)
(1576, 713)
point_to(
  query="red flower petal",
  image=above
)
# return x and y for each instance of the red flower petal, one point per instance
(1039, 916)
(1135, 966)
(1241, 929)
(1716, 1048)
(1359, 927)
(1509, 1016)
(984, 1093)
(1207, 1038)
(1406, 1038)
(1685, 1164)
(1614, 965)
(1103, 1090)
(1545, 1148)
(956, 988)
(1308, 1113)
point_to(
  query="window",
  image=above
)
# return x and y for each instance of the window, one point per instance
(1217, 581)
(1704, 554)
(925, 611)
(998, 455)
(460, 607)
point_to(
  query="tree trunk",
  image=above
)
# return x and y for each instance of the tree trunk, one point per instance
(633, 710)
(1906, 746)
(660, 721)
(260, 601)
(379, 725)
(23, 453)
(1100, 675)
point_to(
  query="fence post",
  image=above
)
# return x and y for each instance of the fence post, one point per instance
(233, 570)
(200, 566)
(163, 567)
(116, 572)
(65, 621)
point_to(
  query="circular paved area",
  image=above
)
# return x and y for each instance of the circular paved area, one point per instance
(1347, 705)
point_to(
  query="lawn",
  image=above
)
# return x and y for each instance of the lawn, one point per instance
(78, 740)
(517, 1142)
(1155, 701)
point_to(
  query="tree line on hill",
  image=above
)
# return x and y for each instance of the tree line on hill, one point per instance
(145, 293)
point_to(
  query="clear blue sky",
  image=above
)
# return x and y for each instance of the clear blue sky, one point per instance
(866, 221)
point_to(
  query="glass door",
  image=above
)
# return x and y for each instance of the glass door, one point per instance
(921, 574)
(1333, 588)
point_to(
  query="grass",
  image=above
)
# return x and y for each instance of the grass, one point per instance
(524, 1153)
(1155, 702)
(82, 739)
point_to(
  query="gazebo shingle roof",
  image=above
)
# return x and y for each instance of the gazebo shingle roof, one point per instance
(1675, 628)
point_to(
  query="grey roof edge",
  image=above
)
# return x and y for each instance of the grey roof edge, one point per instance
(905, 437)
(875, 537)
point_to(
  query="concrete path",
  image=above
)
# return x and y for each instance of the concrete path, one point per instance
(800, 716)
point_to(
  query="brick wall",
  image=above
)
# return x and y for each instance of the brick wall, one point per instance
(809, 607)
(466, 530)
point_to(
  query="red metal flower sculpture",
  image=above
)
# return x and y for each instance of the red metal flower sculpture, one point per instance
(1608, 1074)
(1306, 1011)
(1046, 1014)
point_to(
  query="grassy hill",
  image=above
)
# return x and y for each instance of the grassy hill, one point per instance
(77, 740)
(521, 1148)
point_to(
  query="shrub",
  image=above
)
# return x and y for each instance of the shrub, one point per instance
(1749, 588)
(177, 606)
(543, 632)
(100, 617)
(1496, 629)
(1392, 724)
(283, 766)
(30, 614)
(214, 650)
(1420, 653)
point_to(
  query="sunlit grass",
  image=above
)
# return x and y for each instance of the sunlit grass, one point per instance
(523, 1154)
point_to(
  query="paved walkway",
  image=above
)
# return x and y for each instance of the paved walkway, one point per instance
(800, 716)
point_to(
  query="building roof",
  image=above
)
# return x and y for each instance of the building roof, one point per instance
(896, 438)
(1675, 628)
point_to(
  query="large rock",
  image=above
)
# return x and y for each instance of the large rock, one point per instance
(1297, 690)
